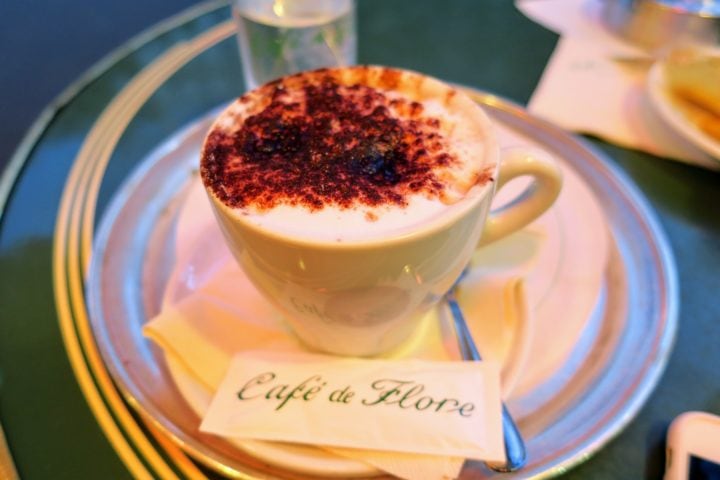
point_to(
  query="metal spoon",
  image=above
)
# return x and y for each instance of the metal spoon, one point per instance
(515, 454)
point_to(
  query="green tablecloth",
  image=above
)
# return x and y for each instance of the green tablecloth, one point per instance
(486, 44)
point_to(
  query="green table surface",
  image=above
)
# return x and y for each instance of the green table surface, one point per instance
(486, 44)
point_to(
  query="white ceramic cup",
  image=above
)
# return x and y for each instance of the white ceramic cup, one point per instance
(365, 297)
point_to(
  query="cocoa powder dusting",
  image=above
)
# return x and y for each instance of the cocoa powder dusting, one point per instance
(322, 143)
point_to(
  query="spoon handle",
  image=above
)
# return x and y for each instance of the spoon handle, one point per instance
(515, 455)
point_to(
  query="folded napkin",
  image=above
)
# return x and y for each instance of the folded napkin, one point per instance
(595, 83)
(212, 312)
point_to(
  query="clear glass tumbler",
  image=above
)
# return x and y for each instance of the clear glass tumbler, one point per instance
(279, 37)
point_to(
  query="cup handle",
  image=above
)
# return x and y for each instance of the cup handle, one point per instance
(533, 201)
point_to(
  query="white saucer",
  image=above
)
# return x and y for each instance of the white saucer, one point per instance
(201, 253)
(672, 112)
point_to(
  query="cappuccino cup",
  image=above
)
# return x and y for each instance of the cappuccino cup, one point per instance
(354, 197)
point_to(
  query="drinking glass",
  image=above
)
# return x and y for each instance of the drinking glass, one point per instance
(280, 37)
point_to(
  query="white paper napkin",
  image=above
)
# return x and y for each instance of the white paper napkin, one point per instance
(595, 83)
(409, 405)
(224, 315)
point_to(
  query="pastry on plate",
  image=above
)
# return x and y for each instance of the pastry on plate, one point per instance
(694, 79)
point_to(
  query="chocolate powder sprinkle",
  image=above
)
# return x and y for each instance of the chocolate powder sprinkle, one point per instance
(331, 145)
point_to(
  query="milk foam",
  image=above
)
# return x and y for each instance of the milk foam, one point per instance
(347, 225)
(468, 138)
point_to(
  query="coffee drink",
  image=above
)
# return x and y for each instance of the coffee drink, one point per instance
(348, 154)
